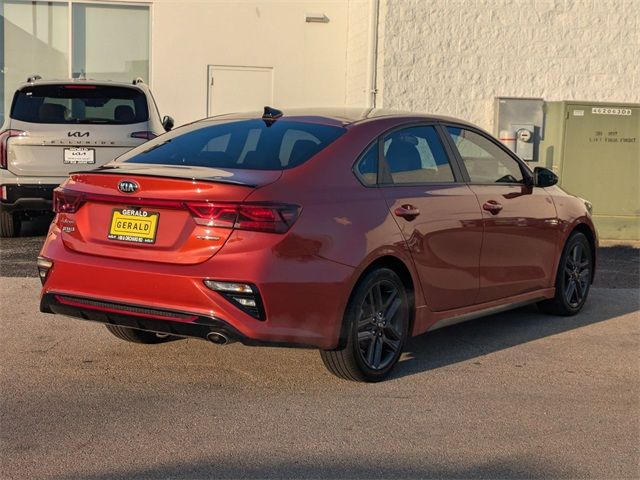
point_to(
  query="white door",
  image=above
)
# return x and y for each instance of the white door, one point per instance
(239, 89)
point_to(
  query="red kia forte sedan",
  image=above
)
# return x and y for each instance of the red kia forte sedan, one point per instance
(341, 230)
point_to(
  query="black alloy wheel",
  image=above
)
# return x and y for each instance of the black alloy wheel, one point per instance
(377, 322)
(574, 277)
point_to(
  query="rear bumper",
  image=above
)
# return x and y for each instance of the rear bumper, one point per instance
(182, 324)
(27, 198)
(303, 301)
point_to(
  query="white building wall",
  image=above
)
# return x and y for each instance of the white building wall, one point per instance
(310, 61)
(359, 55)
(454, 56)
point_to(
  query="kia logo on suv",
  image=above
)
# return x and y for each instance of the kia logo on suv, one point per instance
(127, 186)
(77, 134)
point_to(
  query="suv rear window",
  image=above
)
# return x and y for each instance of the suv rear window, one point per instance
(245, 144)
(79, 104)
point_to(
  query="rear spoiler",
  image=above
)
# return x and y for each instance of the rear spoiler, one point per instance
(178, 173)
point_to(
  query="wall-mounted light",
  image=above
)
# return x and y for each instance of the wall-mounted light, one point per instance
(316, 18)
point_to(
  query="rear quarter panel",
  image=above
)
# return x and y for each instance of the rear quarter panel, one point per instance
(342, 221)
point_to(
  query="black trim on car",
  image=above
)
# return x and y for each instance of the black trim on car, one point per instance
(183, 324)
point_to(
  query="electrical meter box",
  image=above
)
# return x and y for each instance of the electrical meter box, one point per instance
(595, 150)
(518, 125)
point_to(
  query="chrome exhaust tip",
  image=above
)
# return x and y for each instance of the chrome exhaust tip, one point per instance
(218, 338)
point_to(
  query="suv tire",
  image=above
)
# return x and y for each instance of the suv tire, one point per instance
(9, 225)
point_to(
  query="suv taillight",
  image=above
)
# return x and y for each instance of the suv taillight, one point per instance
(67, 201)
(273, 218)
(5, 135)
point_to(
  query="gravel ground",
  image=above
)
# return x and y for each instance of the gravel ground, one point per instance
(515, 395)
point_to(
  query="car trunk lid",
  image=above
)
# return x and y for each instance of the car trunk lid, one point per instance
(153, 219)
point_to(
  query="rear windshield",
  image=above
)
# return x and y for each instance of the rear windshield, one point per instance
(84, 104)
(246, 144)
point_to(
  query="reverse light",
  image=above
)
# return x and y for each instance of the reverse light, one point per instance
(144, 135)
(44, 267)
(272, 218)
(5, 135)
(245, 302)
(67, 201)
(243, 295)
(229, 287)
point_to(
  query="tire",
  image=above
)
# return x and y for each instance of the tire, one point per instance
(573, 279)
(139, 336)
(382, 330)
(9, 225)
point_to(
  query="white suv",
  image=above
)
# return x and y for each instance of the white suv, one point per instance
(58, 127)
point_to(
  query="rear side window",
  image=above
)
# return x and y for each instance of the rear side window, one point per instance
(80, 104)
(245, 144)
(416, 155)
(367, 166)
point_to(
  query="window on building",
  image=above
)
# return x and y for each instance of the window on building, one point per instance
(485, 161)
(416, 155)
(108, 42)
(35, 39)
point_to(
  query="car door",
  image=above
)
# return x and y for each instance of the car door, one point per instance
(520, 221)
(438, 215)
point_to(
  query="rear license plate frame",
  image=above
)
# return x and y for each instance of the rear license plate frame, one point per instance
(128, 233)
(83, 156)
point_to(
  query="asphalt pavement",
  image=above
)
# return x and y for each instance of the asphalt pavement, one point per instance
(514, 395)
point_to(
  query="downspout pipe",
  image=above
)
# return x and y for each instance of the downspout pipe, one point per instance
(373, 52)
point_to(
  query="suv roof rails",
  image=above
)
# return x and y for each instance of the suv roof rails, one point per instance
(33, 78)
(137, 80)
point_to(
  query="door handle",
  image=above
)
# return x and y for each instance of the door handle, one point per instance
(408, 212)
(492, 206)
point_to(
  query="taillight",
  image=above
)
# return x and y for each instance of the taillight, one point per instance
(5, 135)
(67, 201)
(273, 218)
(145, 135)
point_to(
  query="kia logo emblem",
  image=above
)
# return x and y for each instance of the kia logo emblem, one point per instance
(77, 134)
(127, 186)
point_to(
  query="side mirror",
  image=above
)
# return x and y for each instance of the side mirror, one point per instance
(167, 122)
(543, 177)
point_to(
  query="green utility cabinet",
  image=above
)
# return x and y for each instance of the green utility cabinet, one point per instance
(595, 150)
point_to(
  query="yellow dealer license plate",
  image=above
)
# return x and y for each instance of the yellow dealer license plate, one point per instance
(133, 225)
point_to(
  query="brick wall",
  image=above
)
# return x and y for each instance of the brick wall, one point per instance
(454, 56)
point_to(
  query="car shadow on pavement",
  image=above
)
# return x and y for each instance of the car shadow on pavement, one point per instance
(344, 468)
(482, 336)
